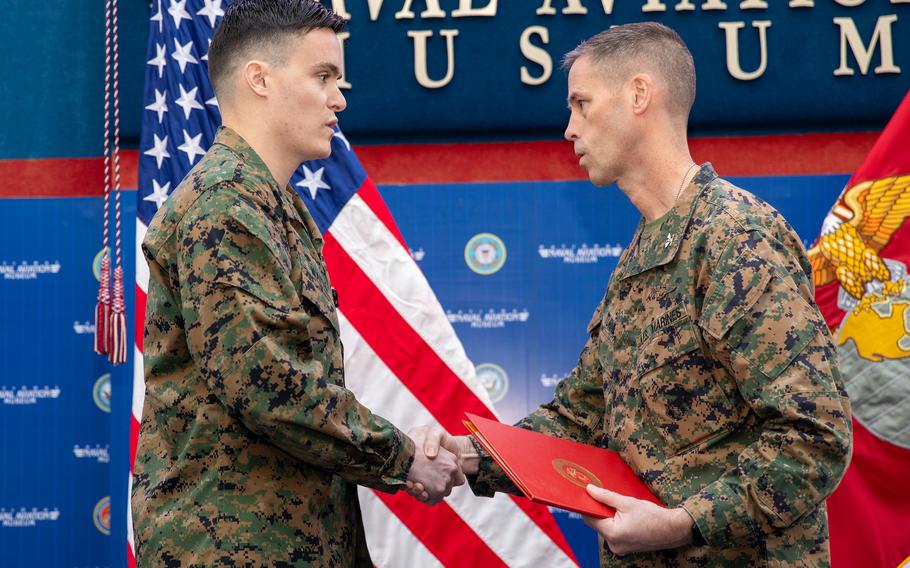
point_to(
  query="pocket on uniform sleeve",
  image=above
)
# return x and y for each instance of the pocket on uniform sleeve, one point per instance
(732, 296)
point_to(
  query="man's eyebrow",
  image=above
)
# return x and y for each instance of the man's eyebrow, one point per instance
(327, 68)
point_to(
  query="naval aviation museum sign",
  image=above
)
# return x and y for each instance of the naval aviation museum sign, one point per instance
(493, 64)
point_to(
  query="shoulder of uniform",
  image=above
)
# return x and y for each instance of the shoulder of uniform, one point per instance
(729, 210)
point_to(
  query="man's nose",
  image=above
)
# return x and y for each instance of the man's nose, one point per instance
(337, 102)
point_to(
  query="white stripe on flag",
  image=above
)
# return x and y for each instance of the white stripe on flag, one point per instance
(142, 267)
(138, 385)
(389, 540)
(506, 529)
(392, 270)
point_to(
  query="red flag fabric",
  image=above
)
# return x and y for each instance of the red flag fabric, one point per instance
(860, 263)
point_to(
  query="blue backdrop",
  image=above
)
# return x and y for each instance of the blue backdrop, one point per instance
(523, 326)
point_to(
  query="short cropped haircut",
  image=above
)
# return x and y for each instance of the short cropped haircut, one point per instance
(262, 26)
(623, 49)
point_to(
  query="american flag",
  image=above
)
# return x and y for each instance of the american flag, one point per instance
(402, 358)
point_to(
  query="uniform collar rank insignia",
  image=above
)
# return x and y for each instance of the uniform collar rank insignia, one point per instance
(669, 240)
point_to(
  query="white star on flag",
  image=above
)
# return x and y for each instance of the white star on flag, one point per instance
(211, 10)
(313, 181)
(160, 105)
(159, 17)
(182, 54)
(159, 194)
(214, 102)
(191, 146)
(188, 101)
(159, 151)
(177, 10)
(338, 134)
(206, 56)
(159, 61)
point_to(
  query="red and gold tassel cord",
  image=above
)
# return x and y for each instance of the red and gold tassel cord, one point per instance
(103, 305)
(110, 313)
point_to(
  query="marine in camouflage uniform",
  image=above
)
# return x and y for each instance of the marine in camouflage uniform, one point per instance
(711, 371)
(250, 446)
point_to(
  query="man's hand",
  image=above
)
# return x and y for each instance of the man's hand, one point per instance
(434, 442)
(639, 526)
(431, 479)
(434, 437)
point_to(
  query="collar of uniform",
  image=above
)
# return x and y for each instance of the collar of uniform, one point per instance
(232, 140)
(303, 216)
(665, 243)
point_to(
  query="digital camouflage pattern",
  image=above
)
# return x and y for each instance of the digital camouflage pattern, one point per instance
(711, 371)
(250, 445)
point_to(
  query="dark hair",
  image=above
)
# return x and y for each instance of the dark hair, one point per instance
(621, 48)
(266, 25)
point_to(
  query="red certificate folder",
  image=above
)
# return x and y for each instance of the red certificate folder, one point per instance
(555, 471)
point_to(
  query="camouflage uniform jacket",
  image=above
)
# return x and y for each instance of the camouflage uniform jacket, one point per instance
(250, 445)
(711, 371)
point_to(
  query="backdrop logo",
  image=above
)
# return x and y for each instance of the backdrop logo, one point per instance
(102, 455)
(102, 392)
(550, 381)
(494, 379)
(26, 518)
(26, 396)
(575, 473)
(490, 319)
(83, 328)
(485, 254)
(26, 271)
(417, 254)
(96, 263)
(579, 254)
(102, 515)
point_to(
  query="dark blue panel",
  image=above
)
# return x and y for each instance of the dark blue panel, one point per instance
(59, 442)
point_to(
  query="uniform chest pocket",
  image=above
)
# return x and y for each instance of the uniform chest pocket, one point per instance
(678, 386)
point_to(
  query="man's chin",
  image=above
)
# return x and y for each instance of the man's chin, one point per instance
(319, 154)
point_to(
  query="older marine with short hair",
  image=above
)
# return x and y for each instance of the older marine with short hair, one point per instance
(708, 366)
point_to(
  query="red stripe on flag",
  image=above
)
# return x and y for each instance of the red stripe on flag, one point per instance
(457, 545)
(410, 359)
(139, 330)
(134, 440)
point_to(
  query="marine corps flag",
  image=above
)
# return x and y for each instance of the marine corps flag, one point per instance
(860, 263)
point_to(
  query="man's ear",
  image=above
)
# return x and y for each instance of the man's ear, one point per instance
(255, 75)
(642, 92)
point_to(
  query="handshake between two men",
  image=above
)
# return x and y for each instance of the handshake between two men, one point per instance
(440, 463)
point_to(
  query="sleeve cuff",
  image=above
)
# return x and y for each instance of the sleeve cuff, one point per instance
(489, 478)
(394, 473)
(719, 517)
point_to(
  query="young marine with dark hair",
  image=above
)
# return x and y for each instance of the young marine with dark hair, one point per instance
(251, 448)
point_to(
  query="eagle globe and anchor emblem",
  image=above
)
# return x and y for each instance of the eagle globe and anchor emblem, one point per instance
(485, 253)
(874, 293)
(576, 474)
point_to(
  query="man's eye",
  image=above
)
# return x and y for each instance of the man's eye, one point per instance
(324, 77)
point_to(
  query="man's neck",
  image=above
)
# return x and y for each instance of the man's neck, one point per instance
(654, 185)
(267, 148)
